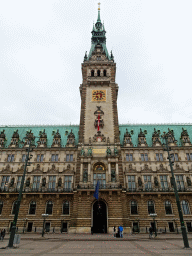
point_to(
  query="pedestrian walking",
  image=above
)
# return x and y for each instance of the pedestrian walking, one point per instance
(121, 231)
(2, 234)
(150, 232)
(114, 231)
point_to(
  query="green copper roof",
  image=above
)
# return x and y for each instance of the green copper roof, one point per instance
(177, 128)
(64, 130)
(98, 37)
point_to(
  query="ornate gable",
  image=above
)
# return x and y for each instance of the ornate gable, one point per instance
(15, 139)
(43, 139)
(56, 139)
(185, 138)
(141, 139)
(127, 141)
(156, 138)
(2, 139)
(70, 140)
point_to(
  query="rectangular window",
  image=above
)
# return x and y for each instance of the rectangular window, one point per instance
(189, 156)
(68, 182)
(10, 158)
(144, 157)
(52, 181)
(151, 207)
(163, 180)
(99, 177)
(54, 158)
(179, 181)
(159, 157)
(42, 158)
(71, 158)
(36, 182)
(147, 181)
(19, 182)
(5, 181)
(131, 182)
(23, 158)
(134, 207)
(38, 158)
(129, 157)
(174, 157)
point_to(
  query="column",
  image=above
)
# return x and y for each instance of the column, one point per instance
(81, 173)
(117, 172)
(89, 172)
(109, 172)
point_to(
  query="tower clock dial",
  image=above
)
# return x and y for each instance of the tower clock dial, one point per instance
(98, 95)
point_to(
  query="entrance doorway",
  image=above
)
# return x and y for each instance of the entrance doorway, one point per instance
(64, 227)
(171, 227)
(153, 226)
(135, 227)
(47, 226)
(30, 225)
(99, 217)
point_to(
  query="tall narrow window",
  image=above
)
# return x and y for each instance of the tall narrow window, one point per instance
(151, 207)
(52, 181)
(179, 181)
(54, 158)
(168, 209)
(163, 179)
(68, 182)
(147, 181)
(66, 208)
(185, 207)
(49, 207)
(134, 207)
(98, 72)
(14, 207)
(19, 182)
(101, 178)
(32, 207)
(92, 72)
(129, 157)
(131, 182)
(159, 157)
(104, 73)
(1, 206)
(36, 182)
(23, 158)
(10, 158)
(144, 157)
(5, 181)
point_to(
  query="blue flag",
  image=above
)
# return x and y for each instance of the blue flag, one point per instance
(96, 194)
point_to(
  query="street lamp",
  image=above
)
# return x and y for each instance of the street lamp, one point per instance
(31, 139)
(153, 215)
(24, 224)
(166, 136)
(44, 215)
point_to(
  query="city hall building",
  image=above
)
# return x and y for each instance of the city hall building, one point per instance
(129, 162)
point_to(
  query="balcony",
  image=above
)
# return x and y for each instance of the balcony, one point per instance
(37, 190)
(101, 186)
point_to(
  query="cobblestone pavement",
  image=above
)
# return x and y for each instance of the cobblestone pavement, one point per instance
(96, 245)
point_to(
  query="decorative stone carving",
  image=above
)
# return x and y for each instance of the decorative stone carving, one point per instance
(98, 137)
(142, 139)
(29, 137)
(2, 139)
(115, 151)
(15, 139)
(12, 182)
(108, 151)
(85, 176)
(127, 141)
(171, 139)
(99, 120)
(27, 182)
(113, 176)
(188, 181)
(43, 139)
(56, 139)
(70, 140)
(156, 138)
(59, 182)
(43, 182)
(108, 140)
(156, 182)
(139, 182)
(89, 151)
(185, 138)
(82, 152)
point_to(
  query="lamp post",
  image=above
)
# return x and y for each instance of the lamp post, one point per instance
(166, 136)
(18, 202)
(153, 215)
(24, 224)
(44, 215)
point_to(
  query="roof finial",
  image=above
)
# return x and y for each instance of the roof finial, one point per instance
(98, 19)
(99, 6)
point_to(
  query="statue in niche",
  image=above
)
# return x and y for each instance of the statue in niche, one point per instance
(115, 151)
(85, 176)
(188, 181)
(89, 151)
(82, 152)
(59, 182)
(27, 182)
(108, 151)
(113, 176)
(44, 182)
(156, 182)
(12, 182)
(139, 182)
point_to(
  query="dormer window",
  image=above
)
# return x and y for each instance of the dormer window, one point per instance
(98, 72)
(92, 72)
(104, 73)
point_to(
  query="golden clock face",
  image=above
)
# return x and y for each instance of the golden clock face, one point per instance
(98, 95)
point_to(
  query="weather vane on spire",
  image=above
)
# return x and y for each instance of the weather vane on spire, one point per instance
(99, 6)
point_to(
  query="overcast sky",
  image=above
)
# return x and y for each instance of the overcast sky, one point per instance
(43, 42)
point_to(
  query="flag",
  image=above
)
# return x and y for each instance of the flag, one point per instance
(96, 194)
(98, 122)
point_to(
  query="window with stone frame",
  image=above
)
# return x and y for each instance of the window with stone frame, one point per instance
(147, 181)
(113, 172)
(159, 157)
(10, 158)
(66, 208)
(189, 156)
(129, 157)
(52, 182)
(179, 181)
(36, 182)
(5, 181)
(54, 157)
(69, 157)
(134, 207)
(131, 182)
(14, 207)
(163, 181)
(68, 182)
(174, 157)
(19, 178)
(185, 207)
(1, 207)
(40, 158)
(104, 72)
(92, 72)
(23, 158)
(98, 72)
(32, 207)
(144, 157)
(168, 208)
(151, 207)
(101, 177)
(49, 207)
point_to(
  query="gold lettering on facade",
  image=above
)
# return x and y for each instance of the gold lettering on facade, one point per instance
(99, 151)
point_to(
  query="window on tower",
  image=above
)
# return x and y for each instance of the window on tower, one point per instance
(98, 72)
(104, 73)
(92, 72)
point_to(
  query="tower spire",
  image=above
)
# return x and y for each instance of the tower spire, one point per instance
(98, 19)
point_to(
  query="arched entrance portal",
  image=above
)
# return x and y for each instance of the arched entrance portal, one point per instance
(99, 217)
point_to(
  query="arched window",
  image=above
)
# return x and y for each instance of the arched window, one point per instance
(92, 72)
(49, 207)
(168, 209)
(134, 207)
(32, 207)
(1, 206)
(66, 208)
(185, 207)
(98, 72)
(104, 73)
(151, 207)
(14, 207)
